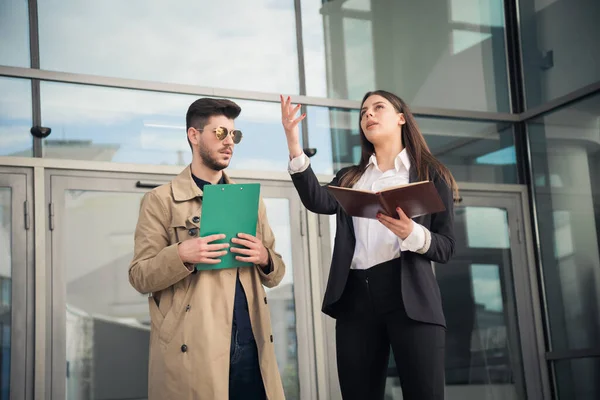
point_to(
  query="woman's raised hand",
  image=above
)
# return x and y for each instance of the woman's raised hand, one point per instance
(290, 125)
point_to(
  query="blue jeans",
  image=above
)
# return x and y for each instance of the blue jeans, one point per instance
(245, 379)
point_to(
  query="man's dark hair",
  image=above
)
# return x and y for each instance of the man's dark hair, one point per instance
(202, 109)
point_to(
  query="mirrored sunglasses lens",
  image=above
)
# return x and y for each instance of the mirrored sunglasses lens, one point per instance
(221, 133)
(237, 136)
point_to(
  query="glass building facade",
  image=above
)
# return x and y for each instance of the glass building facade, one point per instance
(506, 92)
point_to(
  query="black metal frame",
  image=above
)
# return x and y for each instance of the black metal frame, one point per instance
(34, 49)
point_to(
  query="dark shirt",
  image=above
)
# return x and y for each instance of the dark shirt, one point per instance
(241, 316)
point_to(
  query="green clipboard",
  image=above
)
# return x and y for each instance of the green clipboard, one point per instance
(229, 209)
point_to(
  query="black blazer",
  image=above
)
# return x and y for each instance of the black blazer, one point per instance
(420, 291)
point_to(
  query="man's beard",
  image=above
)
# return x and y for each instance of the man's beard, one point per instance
(210, 161)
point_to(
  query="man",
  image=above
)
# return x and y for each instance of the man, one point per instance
(210, 335)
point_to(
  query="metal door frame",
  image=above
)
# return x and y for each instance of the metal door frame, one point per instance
(56, 184)
(59, 180)
(528, 325)
(19, 180)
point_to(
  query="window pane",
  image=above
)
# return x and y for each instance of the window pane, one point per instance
(436, 54)
(474, 151)
(217, 44)
(483, 360)
(15, 117)
(131, 126)
(107, 321)
(560, 47)
(578, 379)
(566, 164)
(14, 33)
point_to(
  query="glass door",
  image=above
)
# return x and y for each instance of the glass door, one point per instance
(492, 345)
(483, 349)
(100, 324)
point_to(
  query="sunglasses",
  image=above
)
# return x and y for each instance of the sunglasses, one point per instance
(221, 133)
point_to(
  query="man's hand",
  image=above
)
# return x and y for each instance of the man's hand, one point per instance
(400, 227)
(256, 252)
(200, 251)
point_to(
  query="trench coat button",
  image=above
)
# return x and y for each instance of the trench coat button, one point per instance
(187, 308)
(265, 300)
(196, 219)
(271, 338)
(192, 232)
(183, 348)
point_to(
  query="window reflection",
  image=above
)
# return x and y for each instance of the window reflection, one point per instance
(359, 5)
(358, 34)
(436, 54)
(264, 147)
(217, 44)
(476, 12)
(482, 355)
(14, 33)
(486, 286)
(492, 233)
(550, 43)
(565, 149)
(107, 321)
(483, 359)
(132, 126)
(281, 299)
(474, 151)
(15, 117)
(578, 379)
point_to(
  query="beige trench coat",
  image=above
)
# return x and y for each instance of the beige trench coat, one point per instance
(191, 314)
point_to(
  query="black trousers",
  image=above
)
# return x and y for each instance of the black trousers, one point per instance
(372, 319)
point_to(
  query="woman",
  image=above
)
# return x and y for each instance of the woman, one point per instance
(381, 288)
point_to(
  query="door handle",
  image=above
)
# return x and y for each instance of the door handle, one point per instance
(146, 185)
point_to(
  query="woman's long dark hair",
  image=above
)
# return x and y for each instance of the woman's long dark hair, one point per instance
(413, 141)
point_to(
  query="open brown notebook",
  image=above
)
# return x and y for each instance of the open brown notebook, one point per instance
(415, 199)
